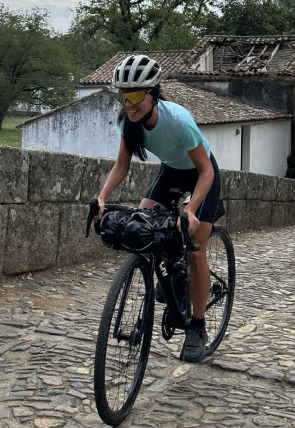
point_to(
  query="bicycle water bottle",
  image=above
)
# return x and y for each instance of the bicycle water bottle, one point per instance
(179, 280)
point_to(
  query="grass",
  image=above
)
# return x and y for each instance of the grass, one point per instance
(10, 135)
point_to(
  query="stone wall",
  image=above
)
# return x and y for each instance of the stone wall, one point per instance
(43, 197)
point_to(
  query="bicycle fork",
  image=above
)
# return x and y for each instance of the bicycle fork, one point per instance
(134, 337)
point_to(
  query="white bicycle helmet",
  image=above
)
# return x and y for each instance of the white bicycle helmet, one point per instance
(137, 71)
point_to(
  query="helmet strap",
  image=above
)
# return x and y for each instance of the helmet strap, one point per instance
(147, 117)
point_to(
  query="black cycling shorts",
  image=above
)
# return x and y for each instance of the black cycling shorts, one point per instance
(185, 180)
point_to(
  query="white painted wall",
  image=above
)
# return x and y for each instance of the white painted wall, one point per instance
(87, 90)
(87, 127)
(225, 144)
(219, 87)
(270, 145)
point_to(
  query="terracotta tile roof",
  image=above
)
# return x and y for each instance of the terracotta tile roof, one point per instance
(289, 67)
(210, 108)
(231, 55)
(244, 55)
(170, 61)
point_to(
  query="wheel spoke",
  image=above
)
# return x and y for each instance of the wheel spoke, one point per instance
(123, 342)
(126, 358)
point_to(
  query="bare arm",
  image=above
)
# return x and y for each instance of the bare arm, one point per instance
(206, 175)
(116, 175)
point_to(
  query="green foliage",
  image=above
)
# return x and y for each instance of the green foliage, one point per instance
(256, 17)
(175, 34)
(139, 24)
(88, 49)
(34, 68)
(103, 27)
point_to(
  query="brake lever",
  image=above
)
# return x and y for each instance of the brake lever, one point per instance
(184, 229)
(94, 210)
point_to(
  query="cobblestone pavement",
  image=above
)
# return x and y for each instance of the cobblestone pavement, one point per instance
(48, 324)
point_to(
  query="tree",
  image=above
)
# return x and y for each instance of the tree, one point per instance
(288, 8)
(256, 17)
(88, 49)
(133, 24)
(103, 27)
(175, 33)
(33, 67)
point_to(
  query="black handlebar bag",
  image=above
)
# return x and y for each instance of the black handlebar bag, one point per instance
(141, 232)
(112, 229)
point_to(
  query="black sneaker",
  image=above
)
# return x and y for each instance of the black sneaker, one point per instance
(193, 350)
(158, 294)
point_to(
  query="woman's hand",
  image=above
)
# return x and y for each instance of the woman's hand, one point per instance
(192, 221)
(101, 204)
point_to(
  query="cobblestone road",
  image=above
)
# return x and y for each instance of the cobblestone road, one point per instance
(48, 324)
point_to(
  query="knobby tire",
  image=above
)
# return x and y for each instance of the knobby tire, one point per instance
(221, 259)
(120, 362)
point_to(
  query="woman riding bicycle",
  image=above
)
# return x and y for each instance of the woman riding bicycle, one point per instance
(149, 122)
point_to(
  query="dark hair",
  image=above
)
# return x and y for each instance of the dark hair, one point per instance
(133, 131)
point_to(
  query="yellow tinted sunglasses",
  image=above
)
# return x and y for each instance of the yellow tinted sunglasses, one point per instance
(135, 97)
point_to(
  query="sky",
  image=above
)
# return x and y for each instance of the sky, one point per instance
(61, 11)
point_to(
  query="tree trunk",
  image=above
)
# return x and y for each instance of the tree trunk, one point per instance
(2, 116)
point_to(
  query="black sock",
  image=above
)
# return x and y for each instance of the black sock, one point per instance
(198, 322)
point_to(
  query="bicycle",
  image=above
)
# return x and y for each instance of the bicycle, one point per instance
(126, 325)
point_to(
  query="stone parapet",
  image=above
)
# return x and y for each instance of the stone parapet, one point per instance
(43, 197)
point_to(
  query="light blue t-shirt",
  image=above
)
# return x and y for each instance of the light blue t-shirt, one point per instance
(174, 135)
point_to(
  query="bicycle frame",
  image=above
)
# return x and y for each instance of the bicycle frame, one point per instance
(164, 277)
(221, 295)
(156, 265)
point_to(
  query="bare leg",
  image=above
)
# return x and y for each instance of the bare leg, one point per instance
(199, 268)
(148, 203)
(199, 272)
(194, 350)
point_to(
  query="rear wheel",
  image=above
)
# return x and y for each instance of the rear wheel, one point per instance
(221, 259)
(123, 341)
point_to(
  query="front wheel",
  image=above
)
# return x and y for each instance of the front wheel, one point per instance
(123, 341)
(221, 259)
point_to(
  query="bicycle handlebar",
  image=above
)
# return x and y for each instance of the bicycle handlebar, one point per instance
(94, 211)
